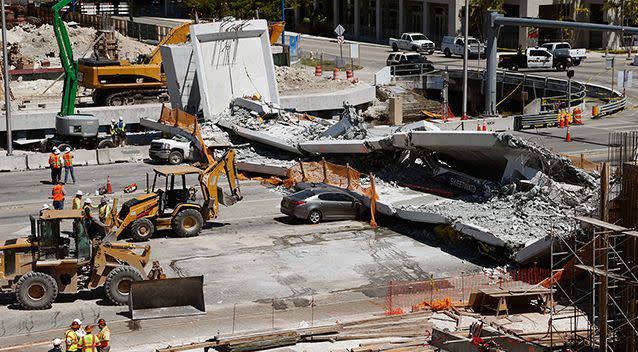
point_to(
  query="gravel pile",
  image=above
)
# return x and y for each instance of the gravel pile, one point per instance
(300, 79)
(39, 41)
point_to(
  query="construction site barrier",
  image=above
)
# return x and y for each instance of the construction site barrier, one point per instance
(13, 163)
(408, 296)
(150, 299)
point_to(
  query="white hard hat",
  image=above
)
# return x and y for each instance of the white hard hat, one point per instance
(67, 149)
(121, 118)
(78, 320)
(88, 201)
(112, 120)
(45, 206)
(55, 148)
(57, 342)
(56, 151)
(79, 193)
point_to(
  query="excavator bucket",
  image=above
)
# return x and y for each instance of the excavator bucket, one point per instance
(150, 299)
(225, 198)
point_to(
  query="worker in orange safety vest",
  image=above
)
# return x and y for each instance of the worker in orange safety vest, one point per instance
(58, 194)
(68, 164)
(55, 163)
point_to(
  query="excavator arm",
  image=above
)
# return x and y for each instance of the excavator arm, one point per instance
(69, 65)
(209, 179)
(177, 35)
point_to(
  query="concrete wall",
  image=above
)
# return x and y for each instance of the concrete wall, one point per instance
(45, 118)
(181, 77)
(233, 59)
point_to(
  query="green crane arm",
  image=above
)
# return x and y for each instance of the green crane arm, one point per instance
(66, 57)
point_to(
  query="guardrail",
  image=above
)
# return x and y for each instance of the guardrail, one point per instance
(579, 93)
(415, 69)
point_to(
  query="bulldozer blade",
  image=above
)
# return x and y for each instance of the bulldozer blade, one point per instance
(150, 299)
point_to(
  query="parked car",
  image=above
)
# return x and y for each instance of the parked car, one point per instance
(534, 58)
(454, 46)
(408, 64)
(322, 203)
(413, 41)
(577, 55)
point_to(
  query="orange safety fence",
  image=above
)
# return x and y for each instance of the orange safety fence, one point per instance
(335, 175)
(409, 296)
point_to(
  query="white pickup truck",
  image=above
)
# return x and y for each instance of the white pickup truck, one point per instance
(577, 55)
(413, 41)
(174, 150)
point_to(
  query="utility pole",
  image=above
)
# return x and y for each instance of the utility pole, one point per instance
(283, 19)
(7, 97)
(465, 53)
(570, 74)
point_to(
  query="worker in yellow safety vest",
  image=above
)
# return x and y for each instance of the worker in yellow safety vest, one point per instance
(71, 337)
(77, 200)
(88, 342)
(104, 335)
(103, 209)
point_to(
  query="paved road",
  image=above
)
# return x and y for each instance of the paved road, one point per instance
(250, 255)
(590, 139)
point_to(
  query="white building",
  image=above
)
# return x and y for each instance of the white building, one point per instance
(377, 20)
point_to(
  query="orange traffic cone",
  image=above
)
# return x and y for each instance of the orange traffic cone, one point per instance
(568, 136)
(567, 120)
(561, 122)
(484, 126)
(109, 187)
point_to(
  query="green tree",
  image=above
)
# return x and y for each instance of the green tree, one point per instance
(266, 9)
(478, 11)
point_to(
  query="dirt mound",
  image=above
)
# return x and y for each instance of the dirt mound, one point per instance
(39, 41)
(300, 79)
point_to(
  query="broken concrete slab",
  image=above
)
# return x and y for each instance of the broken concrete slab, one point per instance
(181, 77)
(494, 124)
(419, 126)
(233, 59)
(333, 146)
(258, 168)
(260, 137)
(334, 100)
(254, 105)
(479, 233)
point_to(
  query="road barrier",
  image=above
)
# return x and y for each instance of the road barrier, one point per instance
(13, 163)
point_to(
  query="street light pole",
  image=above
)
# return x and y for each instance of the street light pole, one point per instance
(465, 53)
(7, 97)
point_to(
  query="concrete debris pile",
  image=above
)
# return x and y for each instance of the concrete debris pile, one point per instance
(290, 127)
(522, 217)
(299, 79)
(550, 163)
(351, 126)
(38, 42)
(35, 89)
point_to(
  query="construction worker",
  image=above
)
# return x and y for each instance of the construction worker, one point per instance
(120, 130)
(67, 157)
(103, 209)
(88, 342)
(44, 207)
(88, 217)
(77, 200)
(56, 165)
(80, 331)
(58, 194)
(71, 338)
(56, 346)
(104, 335)
(114, 136)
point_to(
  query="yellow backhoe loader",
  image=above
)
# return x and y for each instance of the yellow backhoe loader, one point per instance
(61, 257)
